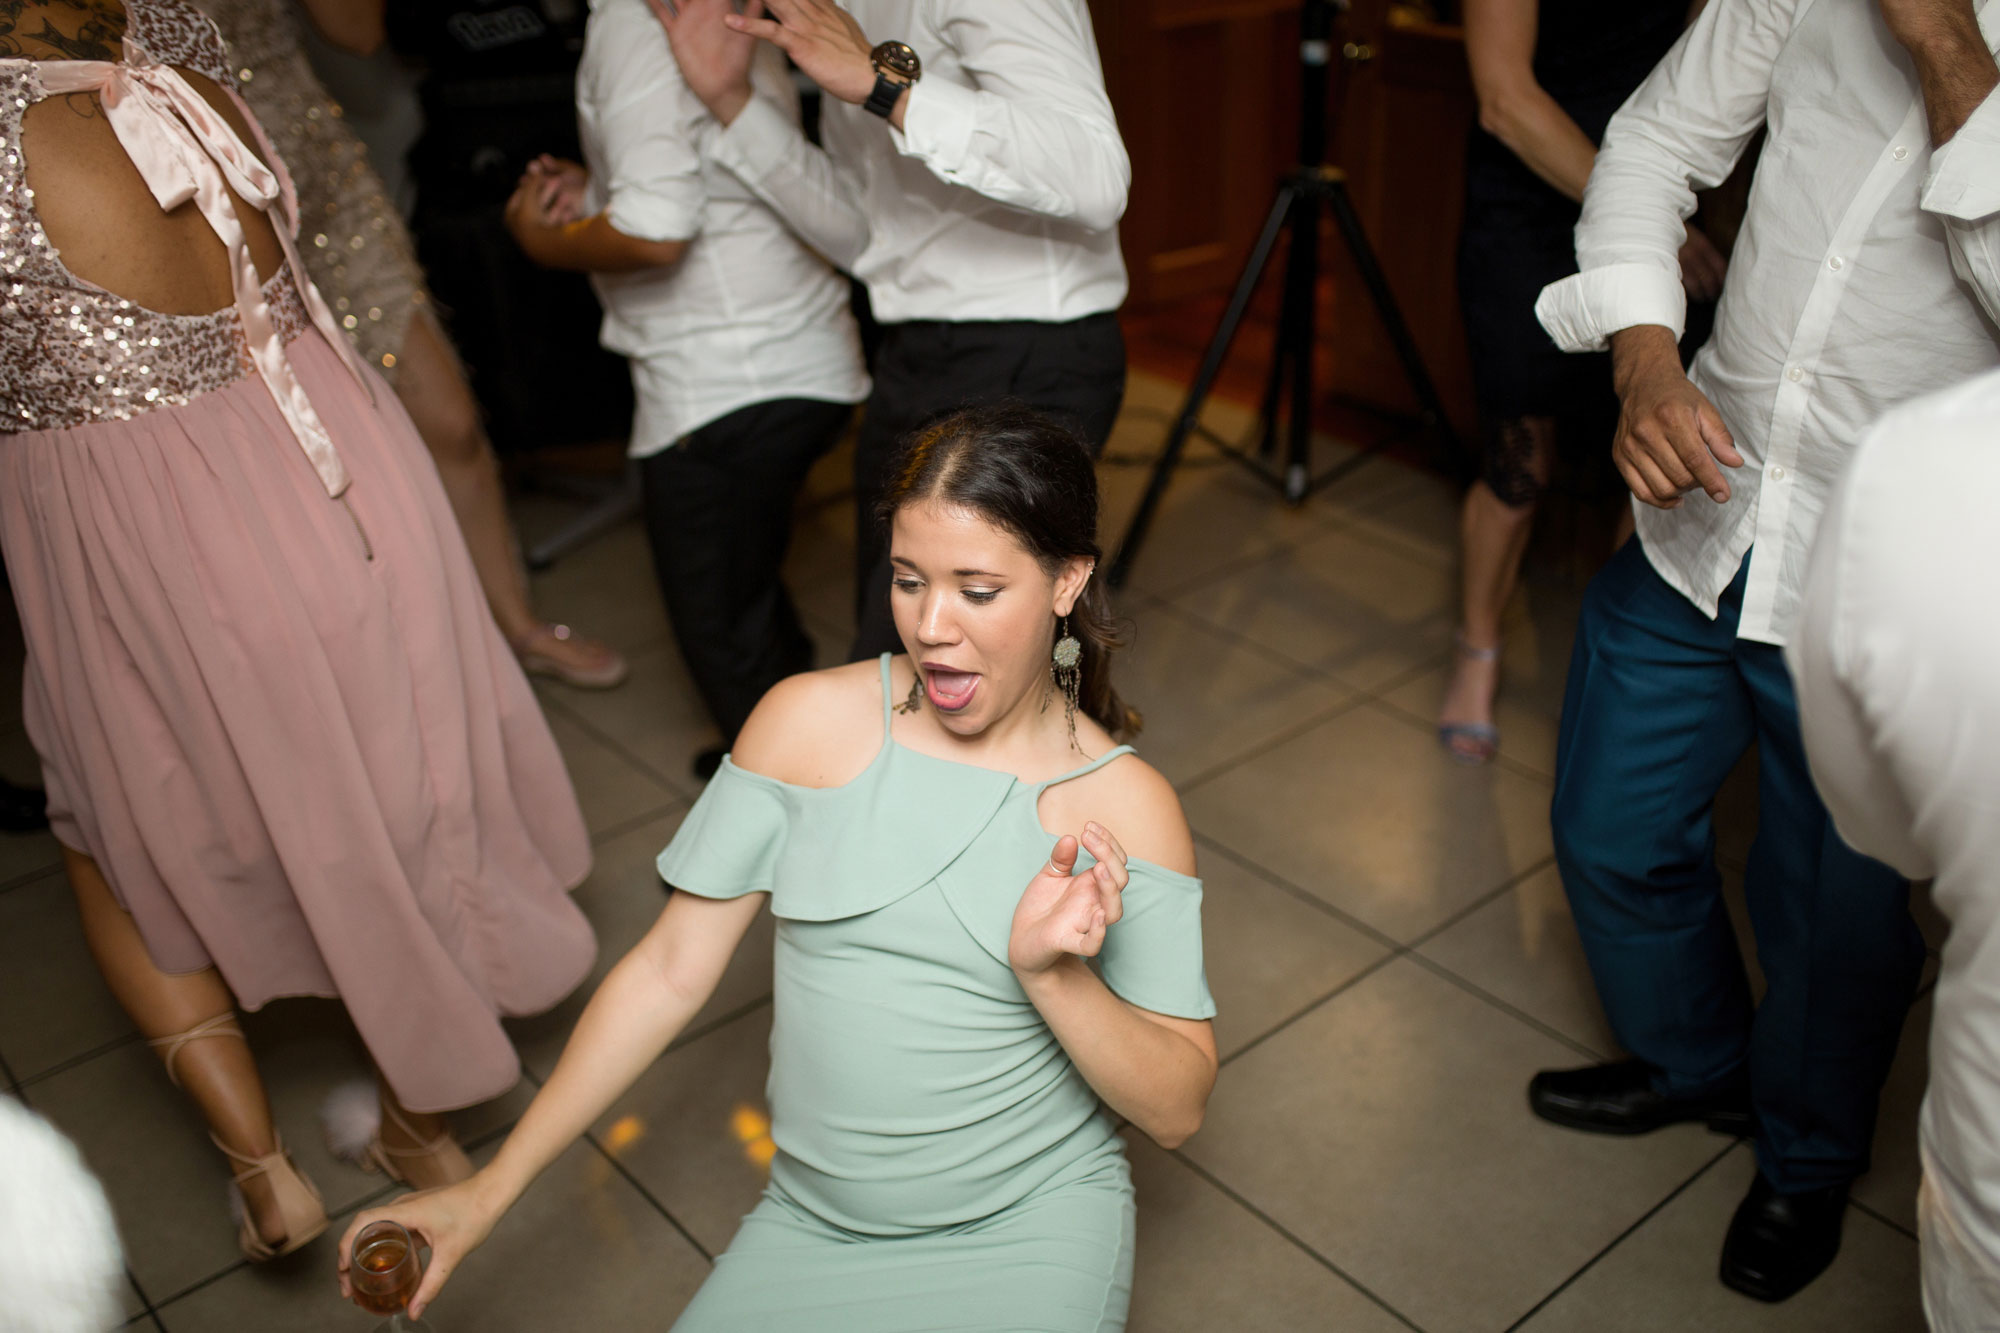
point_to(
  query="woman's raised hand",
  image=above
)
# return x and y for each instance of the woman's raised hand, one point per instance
(452, 1221)
(1063, 912)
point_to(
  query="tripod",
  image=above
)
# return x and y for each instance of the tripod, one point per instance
(1306, 189)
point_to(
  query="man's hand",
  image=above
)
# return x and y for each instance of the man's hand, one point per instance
(561, 188)
(1670, 437)
(822, 39)
(1954, 66)
(714, 58)
(1702, 266)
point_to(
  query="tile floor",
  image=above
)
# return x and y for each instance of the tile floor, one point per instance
(1387, 941)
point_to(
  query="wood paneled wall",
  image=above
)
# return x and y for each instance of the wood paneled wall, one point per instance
(1207, 97)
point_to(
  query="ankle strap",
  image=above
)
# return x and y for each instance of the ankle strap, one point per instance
(222, 1025)
(253, 1166)
(1467, 651)
(422, 1149)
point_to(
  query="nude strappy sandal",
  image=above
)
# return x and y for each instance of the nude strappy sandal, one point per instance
(299, 1202)
(444, 1149)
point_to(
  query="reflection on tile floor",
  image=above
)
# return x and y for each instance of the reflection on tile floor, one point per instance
(1387, 941)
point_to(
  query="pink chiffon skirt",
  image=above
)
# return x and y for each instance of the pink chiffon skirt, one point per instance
(286, 727)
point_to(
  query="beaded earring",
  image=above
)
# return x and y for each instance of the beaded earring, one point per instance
(1066, 674)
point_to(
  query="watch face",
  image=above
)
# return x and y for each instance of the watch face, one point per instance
(898, 59)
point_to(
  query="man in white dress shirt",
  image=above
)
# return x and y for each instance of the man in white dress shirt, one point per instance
(973, 178)
(1867, 272)
(1897, 657)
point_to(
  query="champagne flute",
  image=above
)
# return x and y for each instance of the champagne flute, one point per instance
(384, 1271)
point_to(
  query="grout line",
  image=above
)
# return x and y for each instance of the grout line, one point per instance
(52, 869)
(1883, 1217)
(638, 821)
(1502, 761)
(1282, 1230)
(691, 1035)
(617, 747)
(63, 1067)
(1304, 895)
(1263, 748)
(1620, 1238)
(1321, 1002)
(647, 1195)
(150, 1313)
(1480, 993)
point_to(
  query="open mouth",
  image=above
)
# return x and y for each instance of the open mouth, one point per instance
(950, 691)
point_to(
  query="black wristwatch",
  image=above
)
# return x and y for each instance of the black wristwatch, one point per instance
(896, 68)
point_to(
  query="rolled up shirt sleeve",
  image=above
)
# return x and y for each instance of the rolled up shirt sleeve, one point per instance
(1962, 190)
(1035, 130)
(764, 149)
(648, 127)
(1682, 130)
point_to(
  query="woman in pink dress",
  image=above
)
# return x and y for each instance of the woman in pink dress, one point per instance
(287, 750)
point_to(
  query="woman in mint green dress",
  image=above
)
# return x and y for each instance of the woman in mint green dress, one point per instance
(943, 839)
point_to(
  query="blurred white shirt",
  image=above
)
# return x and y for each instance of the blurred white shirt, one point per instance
(1867, 271)
(750, 314)
(999, 198)
(1897, 661)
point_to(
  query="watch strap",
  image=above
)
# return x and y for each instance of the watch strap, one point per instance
(882, 100)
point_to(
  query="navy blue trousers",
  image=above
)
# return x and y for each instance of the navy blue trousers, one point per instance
(1661, 703)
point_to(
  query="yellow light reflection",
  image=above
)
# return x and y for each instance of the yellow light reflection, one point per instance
(752, 1129)
(623, 1134)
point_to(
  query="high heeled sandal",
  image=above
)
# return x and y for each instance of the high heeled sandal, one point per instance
(1471, 743)
(609, 674)
(443, 1149)
(298, 1200)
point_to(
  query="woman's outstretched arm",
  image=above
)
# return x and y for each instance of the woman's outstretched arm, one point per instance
(642, 1005)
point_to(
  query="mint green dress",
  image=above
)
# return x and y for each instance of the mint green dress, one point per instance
(941, 1164)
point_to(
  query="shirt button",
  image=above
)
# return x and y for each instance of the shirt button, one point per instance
(1833, 263)
(1899, 152)
(1777, 474)
(1795, 374)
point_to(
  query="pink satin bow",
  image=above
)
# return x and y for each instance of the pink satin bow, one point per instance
(185, 150)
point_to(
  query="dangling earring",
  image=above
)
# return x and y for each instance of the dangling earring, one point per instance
(916, 699)
(1067, 676)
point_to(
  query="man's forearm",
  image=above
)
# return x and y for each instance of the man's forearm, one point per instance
(1956, 72)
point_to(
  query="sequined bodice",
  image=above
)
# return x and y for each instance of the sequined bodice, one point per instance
(72, 353)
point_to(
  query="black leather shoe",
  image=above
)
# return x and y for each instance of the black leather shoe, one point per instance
(1778, 1243)
(709, 762)
(1618, 1098)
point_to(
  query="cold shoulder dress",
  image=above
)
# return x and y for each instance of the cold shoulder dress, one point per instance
(267, 694)
(941, 1163)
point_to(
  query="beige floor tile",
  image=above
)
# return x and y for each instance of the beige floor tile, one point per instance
(1522, 948)
(819, 566)
(656, 716)
(1213, 515)
(1421, 518)
(688, 1128)
(1268, 954)
(1662, 1277)
(606, 589)
(1207, 1263)
(1359, 812)
(1388, 1130)
(53, 1003)
(623, 898)
(611, 789)
(1207, 698)
(581, 1250)
(1890, 1187)
(1362, 611)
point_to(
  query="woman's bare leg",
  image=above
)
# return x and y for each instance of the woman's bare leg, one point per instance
(441, 404)
(1493, 537)
(445, 1166)
(217, 1073)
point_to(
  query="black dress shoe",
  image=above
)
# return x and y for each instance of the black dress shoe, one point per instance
(22, 809)
(1618, 1098)
(709, 762)
(1780, 1242)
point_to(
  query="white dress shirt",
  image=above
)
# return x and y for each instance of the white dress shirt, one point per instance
(1897, 661)
(1000, 196)
(749, 314)
(1867, 271)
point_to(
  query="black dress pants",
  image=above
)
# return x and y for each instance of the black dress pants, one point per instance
(1074, 371)
(719, 517)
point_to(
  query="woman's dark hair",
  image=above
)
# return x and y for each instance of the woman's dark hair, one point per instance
(1029, 475)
